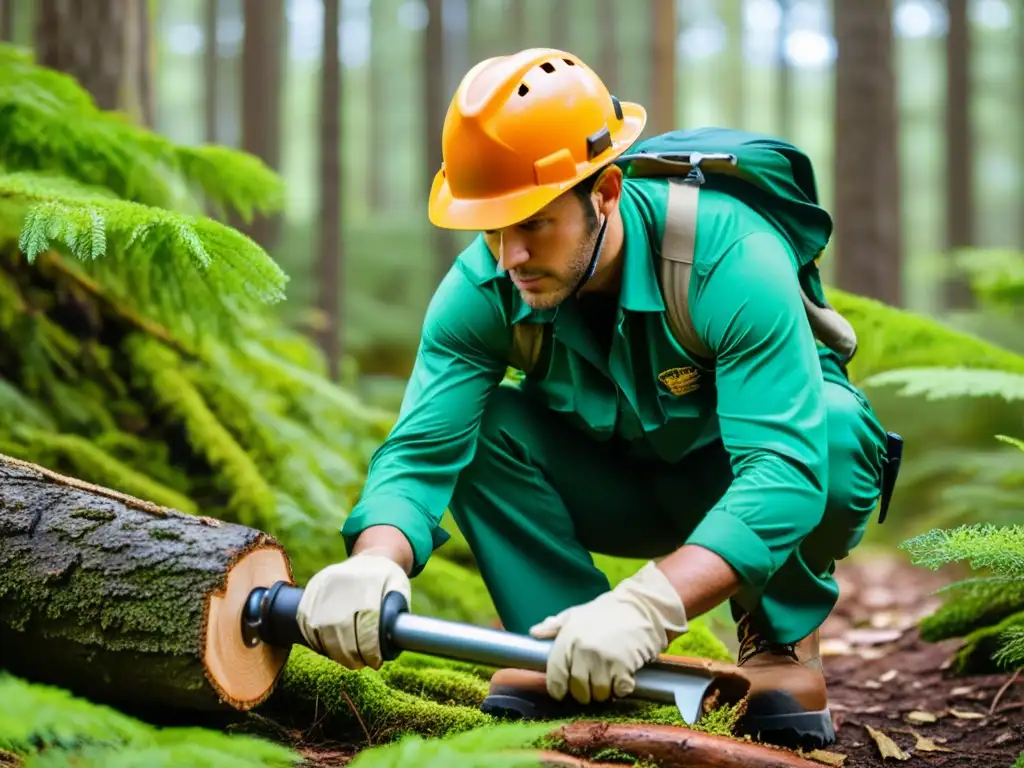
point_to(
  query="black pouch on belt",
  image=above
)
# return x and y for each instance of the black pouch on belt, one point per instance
(890, 470)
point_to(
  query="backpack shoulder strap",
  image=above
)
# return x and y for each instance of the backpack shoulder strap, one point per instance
(677, 248)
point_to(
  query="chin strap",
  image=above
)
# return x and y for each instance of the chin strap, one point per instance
(595, 257)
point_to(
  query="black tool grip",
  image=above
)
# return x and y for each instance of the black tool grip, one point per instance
(270, 615)
(393, 604)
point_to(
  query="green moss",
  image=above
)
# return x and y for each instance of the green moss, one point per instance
(314, 689)
(982, 648)
(890, 338)
(49, 727)
(445, 686)
(973, 607)
(95, 515)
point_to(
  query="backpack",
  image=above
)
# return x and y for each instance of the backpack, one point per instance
(777, 180)
(770, 175)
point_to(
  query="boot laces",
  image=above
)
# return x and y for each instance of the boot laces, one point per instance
(752, 642)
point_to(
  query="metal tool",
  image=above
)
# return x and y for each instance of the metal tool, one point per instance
(269, 616)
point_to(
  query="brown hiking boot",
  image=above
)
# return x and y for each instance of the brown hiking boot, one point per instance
(788, 703)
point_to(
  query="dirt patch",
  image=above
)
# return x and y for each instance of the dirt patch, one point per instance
(893, 693)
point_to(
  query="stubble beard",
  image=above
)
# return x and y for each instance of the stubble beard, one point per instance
(566, 284)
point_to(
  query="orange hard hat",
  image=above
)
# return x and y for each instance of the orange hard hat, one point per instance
(520, 131)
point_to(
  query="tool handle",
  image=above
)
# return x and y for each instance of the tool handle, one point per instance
(270, 615)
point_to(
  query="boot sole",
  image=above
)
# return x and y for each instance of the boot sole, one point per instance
(797, 730)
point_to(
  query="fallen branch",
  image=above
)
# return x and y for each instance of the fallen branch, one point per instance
(126, 602)
(672, 746)
(1002, 690)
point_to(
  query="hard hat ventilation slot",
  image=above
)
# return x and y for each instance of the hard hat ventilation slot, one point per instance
(523, 89)
(570, 62)
(547, 66)
(598, 143)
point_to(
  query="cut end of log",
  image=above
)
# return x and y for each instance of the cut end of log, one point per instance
(244, 676)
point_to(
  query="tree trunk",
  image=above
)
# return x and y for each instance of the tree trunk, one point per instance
(211, 58)
(7, 20)
(329, 253)
(663, 66)
(382, 23)
(959, 152)
(87, 40)
(435, 107)
(128, 603)
(607, 65)
(784, 86)
(867, 165)
(262, 76)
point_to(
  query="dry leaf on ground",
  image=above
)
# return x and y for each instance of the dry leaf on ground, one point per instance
(919, 716)
(924, 744)
(886, 747)
(828, 758)
(963, 714)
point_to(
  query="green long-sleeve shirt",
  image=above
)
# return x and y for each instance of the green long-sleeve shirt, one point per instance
(763, 398)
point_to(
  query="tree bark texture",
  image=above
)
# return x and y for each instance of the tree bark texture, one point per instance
(329, 253)
(867, 163)
(128, 603)
(262, 86)
(663, 66)
(87, 40)
(959, 151)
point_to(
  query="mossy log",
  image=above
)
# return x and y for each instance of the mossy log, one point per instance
(128, 603)
(672, 746)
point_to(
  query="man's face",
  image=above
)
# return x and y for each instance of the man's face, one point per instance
(547, 254)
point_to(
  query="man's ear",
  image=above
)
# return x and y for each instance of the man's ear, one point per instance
(608, 189)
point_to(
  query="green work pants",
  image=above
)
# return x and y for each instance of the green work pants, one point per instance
(539, 496)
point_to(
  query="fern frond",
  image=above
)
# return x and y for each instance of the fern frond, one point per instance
(948, 383)
(890, 338)
(17, 409)
(158, 369)
(1011, 441)
(48, 122)
(154, 260)
(1011, 654)
(1000, 549)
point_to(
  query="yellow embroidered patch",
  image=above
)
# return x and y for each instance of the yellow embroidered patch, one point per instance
(680, 381)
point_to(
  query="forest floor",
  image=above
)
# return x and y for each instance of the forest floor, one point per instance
(888, 688)
(893, 698)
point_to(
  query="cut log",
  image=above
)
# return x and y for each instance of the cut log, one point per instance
(129, 603)
(672, 746)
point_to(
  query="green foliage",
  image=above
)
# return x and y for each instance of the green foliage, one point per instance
(137, 345)
(987, 611)
(953, 382)
(50, 728)
(996, 275)
(503, 745)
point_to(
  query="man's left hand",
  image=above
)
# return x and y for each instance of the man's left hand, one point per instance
(600, 645)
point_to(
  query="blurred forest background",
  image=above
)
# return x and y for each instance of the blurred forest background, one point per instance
(910, 110)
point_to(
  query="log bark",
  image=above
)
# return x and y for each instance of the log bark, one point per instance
(672, 746)
(126, 602)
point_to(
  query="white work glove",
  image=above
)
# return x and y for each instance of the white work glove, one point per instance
(339, 613)
(601, 644)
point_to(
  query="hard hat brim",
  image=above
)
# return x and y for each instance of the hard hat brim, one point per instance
(449, 212)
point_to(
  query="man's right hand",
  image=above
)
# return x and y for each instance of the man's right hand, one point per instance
(339, 614)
